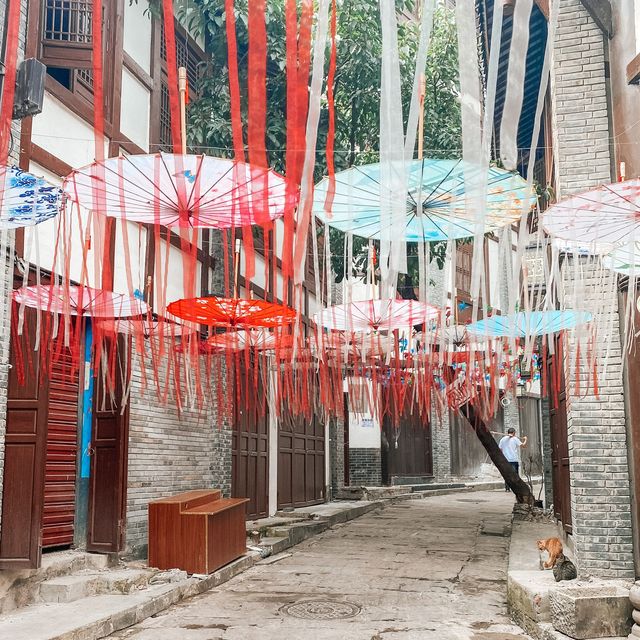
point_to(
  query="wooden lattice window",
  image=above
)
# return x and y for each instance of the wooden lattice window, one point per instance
(66, 33)
(189, 56)
(165, 138)
(464, 258)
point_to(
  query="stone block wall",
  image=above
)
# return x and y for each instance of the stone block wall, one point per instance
(600, 497)
(169, 452)
(365, 467)
(7, 243)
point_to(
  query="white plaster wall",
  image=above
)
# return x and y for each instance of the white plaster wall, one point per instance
(64, 134)
(135, 110)
(175, 281)
(364, 427)
(137, 34)
(136, 237)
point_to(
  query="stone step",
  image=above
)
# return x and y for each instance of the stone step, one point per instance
(89, 583)
(87, 618)
(22, 587)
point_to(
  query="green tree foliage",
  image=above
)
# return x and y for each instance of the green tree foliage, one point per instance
(356, 89)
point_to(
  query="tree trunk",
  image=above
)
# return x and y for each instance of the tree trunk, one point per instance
(513, 480)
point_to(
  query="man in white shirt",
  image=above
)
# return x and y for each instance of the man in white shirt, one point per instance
(509, 445)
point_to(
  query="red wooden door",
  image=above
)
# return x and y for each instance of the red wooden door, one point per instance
(107, 484)
(61, 454)
(24, 456)
(250, 448)
(301, 460)
(560, 441)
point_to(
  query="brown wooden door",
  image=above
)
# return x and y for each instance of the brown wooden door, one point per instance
(407, 446)
(301, 477)
(560, 441)
(61, 454)
(250, 448)
(107, 484)
(24, 457)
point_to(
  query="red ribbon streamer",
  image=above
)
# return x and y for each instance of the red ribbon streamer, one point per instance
(331, 132)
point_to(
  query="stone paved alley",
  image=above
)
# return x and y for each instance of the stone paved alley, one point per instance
(430, 569)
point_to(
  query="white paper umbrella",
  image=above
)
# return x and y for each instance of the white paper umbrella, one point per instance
(375, 315)
(608, 214)
(624, 259)
(80, 301)
(146, 327)
(181, 190)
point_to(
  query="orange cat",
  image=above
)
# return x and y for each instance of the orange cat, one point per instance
(553, 546)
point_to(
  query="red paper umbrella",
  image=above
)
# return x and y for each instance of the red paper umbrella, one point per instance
(183, 190)
(376, 315)
(240, 340)
(232, 312)
(80, 301)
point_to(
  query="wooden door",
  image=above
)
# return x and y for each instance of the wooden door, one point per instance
(61, 454)
(301, 472)
(250, 448)
(560, 440)
(24, 457)
(108, 450)
(407, 451)
(347, 478)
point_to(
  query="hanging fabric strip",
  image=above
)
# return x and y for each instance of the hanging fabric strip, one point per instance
(306, 190)
(426, 24)
(475, 172)
(515, 84)
(234, 81)
(331, 129)
(393, 180)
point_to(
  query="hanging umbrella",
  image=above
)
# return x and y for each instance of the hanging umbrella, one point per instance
(532, 323)
(80, 301)
(260, 340)
(609, 214)
(624, 259)
(182, 190)
(436, 205)
(146, 327)
(232, 312)
(26, 199)
(375, 315)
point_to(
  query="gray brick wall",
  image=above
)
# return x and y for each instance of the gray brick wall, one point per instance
(7, 239)
(600, 497)
(169, 452)
(578, 87)
(365, 467)
(441, 446)
(600, 494)
(547, 452)
(336, 453)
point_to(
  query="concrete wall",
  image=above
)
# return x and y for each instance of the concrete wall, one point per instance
(169, 452)
(7, 239)
(600, 499)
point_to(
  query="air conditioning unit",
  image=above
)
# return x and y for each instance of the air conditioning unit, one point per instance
(29, 89)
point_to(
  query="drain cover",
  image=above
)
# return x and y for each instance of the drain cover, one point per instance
(321, 609)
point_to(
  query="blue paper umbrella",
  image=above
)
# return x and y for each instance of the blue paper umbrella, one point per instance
(435, 202)
(531, 323)
(26, 199)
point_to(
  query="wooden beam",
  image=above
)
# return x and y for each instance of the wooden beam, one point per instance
(600, 11)
(633, 71)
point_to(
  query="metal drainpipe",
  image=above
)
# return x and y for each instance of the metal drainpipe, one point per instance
(613, 172)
